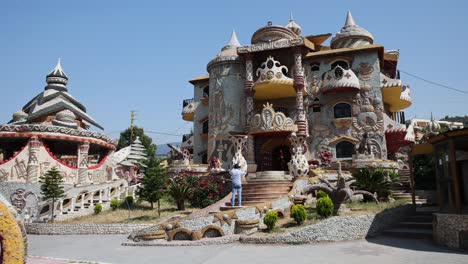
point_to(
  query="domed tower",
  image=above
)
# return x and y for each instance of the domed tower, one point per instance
(351, 35)
(226, 100)
(433, 127)
(293, 26)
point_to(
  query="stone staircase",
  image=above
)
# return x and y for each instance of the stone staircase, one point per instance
(416, 225)
(402, 191)
(263, 187)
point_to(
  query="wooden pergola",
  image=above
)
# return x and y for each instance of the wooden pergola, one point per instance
(451, 165)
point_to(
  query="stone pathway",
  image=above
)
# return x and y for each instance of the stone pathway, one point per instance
(381, 250)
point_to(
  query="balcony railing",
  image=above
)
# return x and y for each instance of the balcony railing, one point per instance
(187, 102)
(185, 137)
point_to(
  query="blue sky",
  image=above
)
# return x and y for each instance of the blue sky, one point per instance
(138, 55)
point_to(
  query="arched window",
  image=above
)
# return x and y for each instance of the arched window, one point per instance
(343, 64)
(315, 67)
(206, 92)
(316, 105)
(344, 149)
(342, 110)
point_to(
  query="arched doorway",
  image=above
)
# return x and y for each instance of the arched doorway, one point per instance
(272, 152)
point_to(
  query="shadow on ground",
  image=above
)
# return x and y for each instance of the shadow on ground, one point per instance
(417, 244)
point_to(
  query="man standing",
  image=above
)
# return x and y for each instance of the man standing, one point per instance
(236, 177)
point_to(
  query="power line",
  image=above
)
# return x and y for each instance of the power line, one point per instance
(431, 82)
(161, 133)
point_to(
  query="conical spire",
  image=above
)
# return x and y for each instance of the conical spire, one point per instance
(57, 79)
(349, 20)
(58, 71)
(351, 35)
(233, 41)
(293, 25)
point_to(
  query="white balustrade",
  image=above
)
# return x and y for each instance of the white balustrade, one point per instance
(100, 196)
(82, 200)
(60, 207)
(72, 205)
(91, 199)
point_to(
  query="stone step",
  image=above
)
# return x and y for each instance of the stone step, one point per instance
(409, 233)
(416, 225)
(269, 183)
(258, 197)
(253, 192)
(419, 218)
(246, 203)
(267, 190)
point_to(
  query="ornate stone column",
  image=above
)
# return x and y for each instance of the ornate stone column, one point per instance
(83, 163)
(33, 162)
(239, 143)
(299, 84)
(298, 166)
(250, 106)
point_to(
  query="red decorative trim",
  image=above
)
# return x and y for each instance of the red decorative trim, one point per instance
(48, 136)
(57, 159)
(99, 164)
(340, 90)
(12, 157)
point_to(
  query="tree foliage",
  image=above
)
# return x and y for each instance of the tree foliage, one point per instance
(126, 138)
(424, 173)
(153, 185)
(51, 188)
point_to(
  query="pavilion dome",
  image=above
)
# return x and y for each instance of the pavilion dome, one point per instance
(271, 33)
(66, 116)
(19, 116)
(351, 35)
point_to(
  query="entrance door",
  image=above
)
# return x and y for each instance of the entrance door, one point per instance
(272, 152)
(280, 157)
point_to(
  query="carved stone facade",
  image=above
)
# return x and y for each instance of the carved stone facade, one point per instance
(333, 98)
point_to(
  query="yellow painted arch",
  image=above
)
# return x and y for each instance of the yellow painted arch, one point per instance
(12, 235)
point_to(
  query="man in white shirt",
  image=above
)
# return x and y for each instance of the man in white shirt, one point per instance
(236, 177)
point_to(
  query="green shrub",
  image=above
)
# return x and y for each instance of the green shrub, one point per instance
(129, 201)
(299, 213)
(378, 180)
(114, 204)
(325, 207)
(270, 219)
(321, 194)
(97, 208)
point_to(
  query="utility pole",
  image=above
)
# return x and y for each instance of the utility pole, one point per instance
(132, 119)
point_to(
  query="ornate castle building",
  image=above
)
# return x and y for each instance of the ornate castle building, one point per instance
(293, 98)
(51, 130)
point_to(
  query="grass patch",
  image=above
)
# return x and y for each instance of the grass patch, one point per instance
(140, 213)
(371, 207)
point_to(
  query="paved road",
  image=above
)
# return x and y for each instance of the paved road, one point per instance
(382, 250)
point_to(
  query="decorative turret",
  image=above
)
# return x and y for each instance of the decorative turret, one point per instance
(233, 42)
(433, 127)
(293, 26)
(57, 79)
(136, 155)
(351, 35)
(19, 117)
